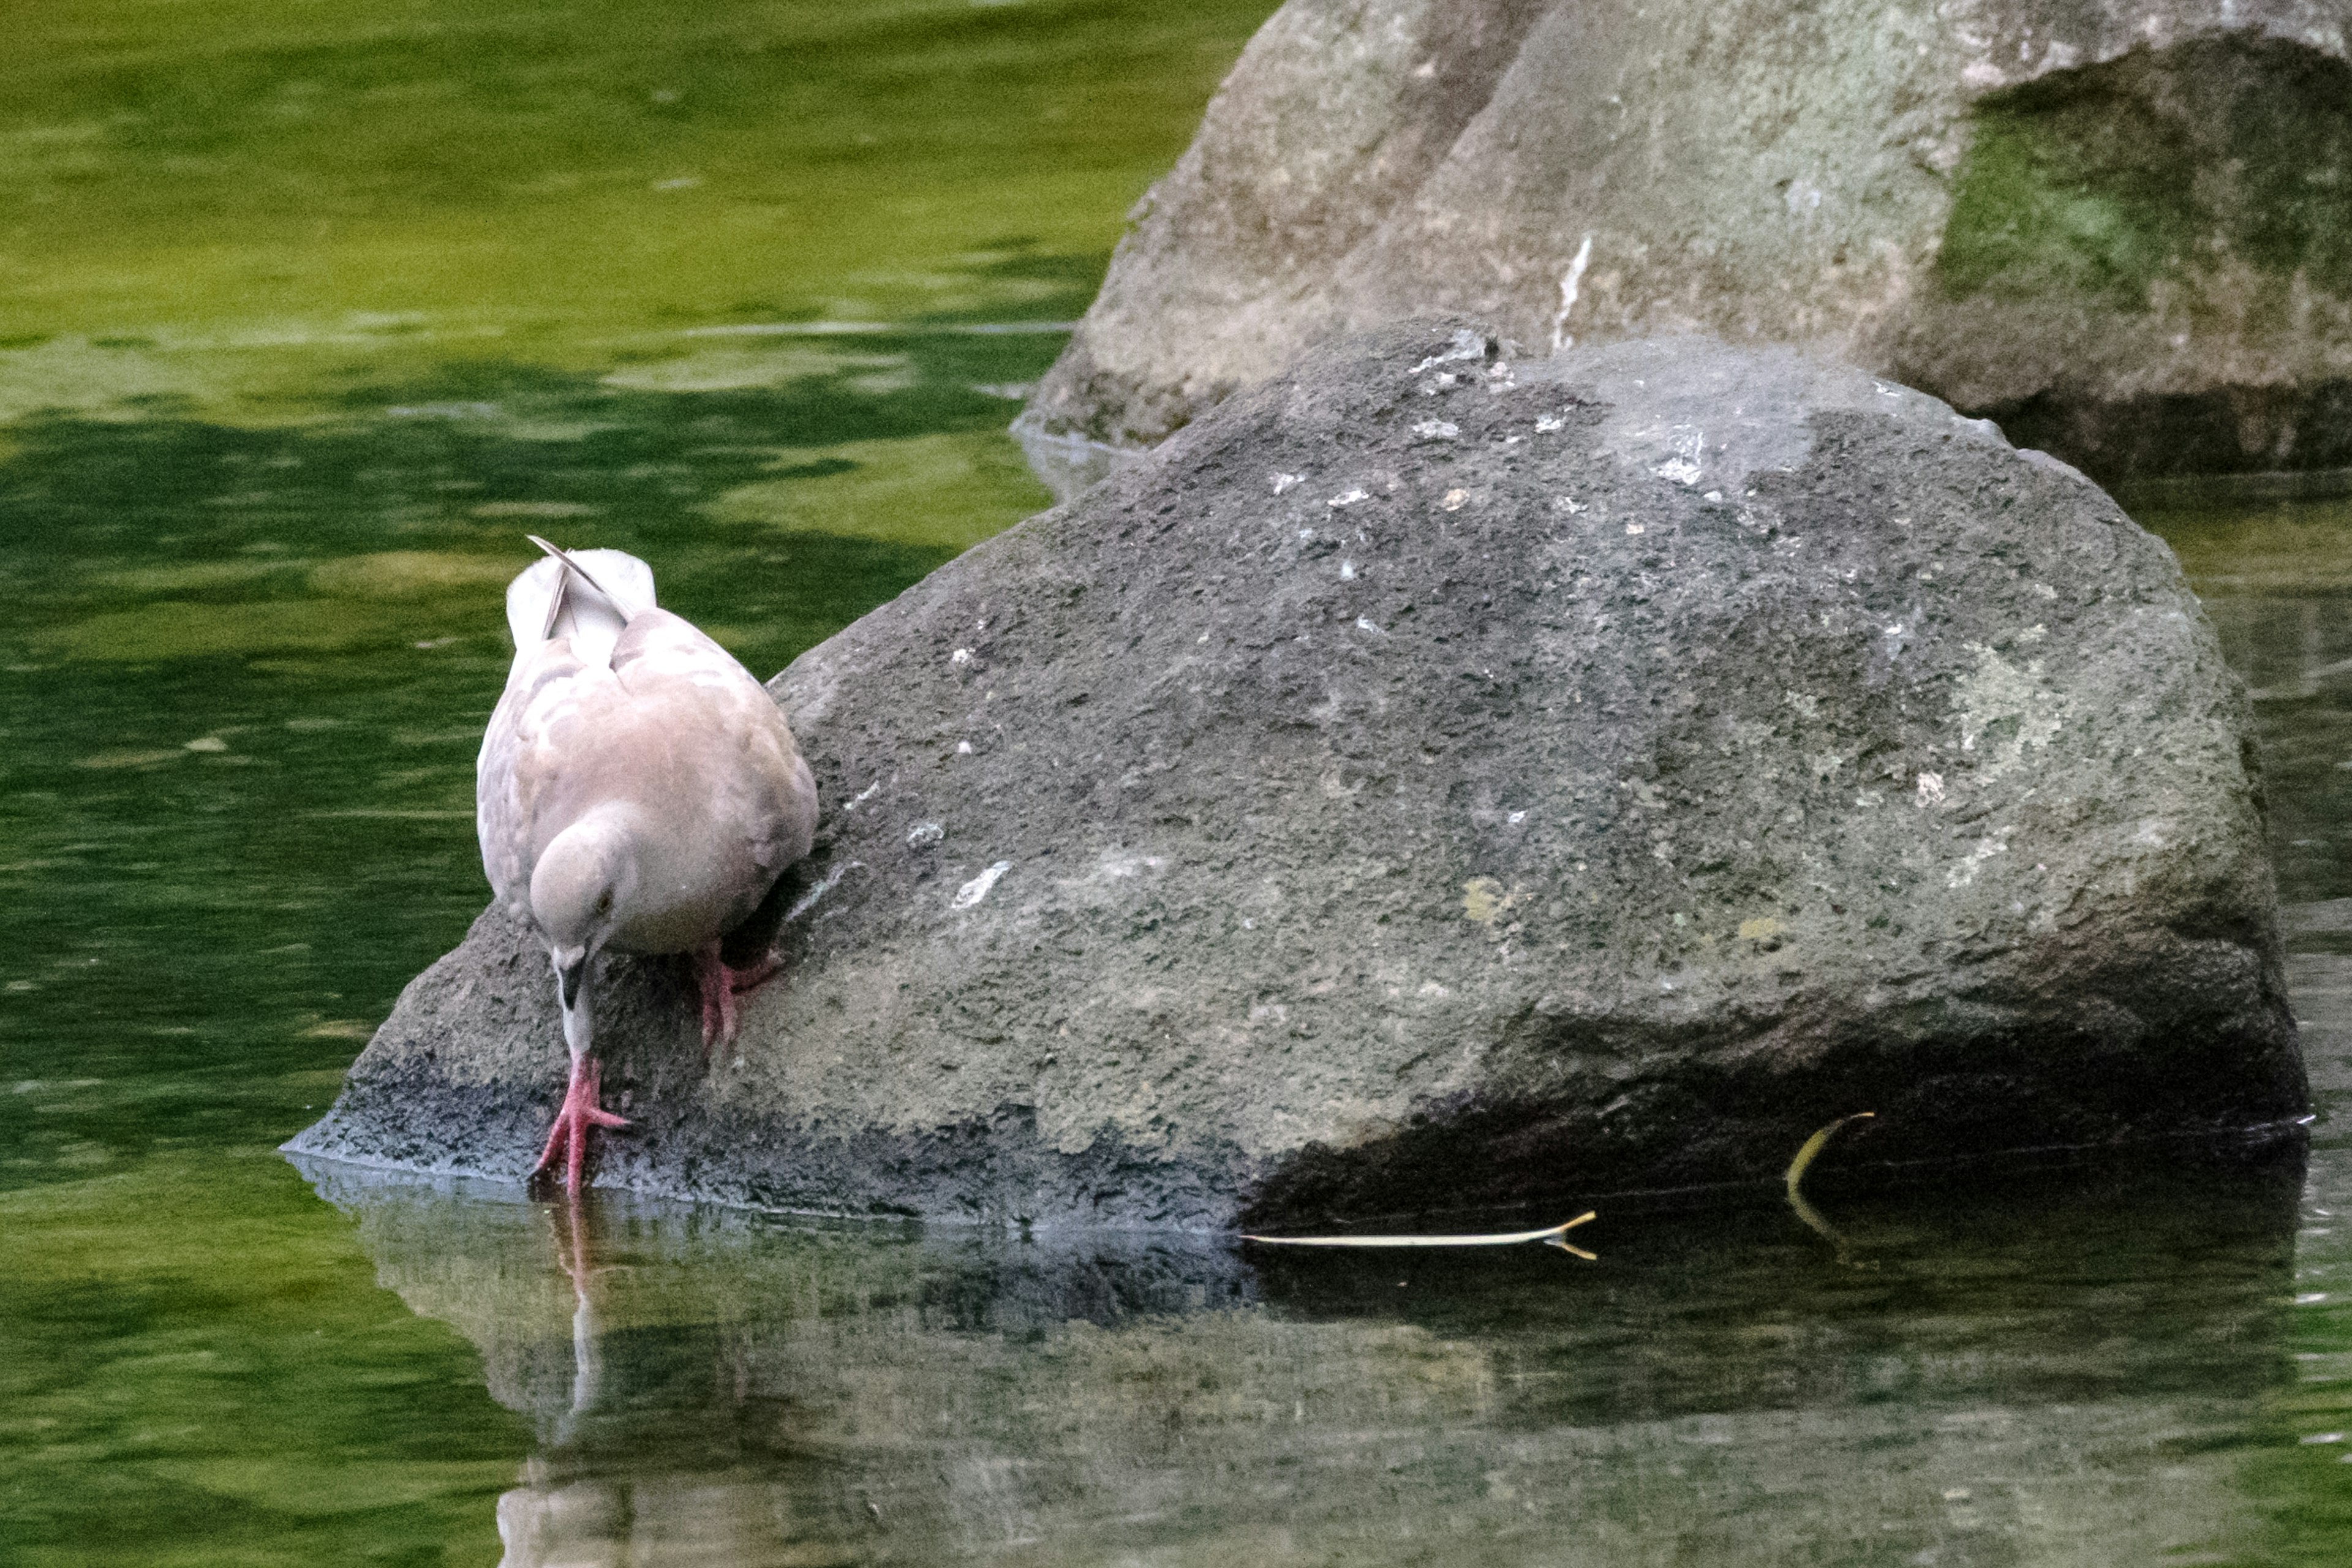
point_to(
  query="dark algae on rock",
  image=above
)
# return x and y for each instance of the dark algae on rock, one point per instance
(1434, 779)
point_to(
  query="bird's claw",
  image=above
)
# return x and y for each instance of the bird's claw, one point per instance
(568, 1139)
(720, 985)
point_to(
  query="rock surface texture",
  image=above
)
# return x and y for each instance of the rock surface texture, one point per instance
(1430, 782)
(2123, 230)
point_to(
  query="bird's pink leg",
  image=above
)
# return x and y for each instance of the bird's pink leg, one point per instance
(720, 985)
(717, 997)
(758, 974)
(569, 1136)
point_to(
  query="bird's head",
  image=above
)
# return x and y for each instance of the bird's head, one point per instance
(579, 893)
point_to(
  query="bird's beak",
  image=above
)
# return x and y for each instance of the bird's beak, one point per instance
(571, 975)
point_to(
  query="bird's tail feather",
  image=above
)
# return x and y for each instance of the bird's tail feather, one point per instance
(587, 595)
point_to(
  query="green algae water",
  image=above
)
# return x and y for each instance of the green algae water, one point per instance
(307, 314)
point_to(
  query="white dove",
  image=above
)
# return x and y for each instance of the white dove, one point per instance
(637, 790)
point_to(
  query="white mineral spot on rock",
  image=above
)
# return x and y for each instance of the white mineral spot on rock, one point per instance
(1515, 818)
(1364, 624)
(964, 748)
(1348, 497)
(1965, 873)
(1931, 789)
(1560, 337)
(1568, 504)
(1282, 483)
(1347, 570)
(972, 893)
(1432, 988)
(1633, 528)
(1682, 471)
(862, 796)
(924, 832)
(807, 901)
(1117, 863)
(961, 656)
(1997, 696)
(1436, 430)
(1713, 495)
(1548, 423)
(1463, 344)
(1454, 500)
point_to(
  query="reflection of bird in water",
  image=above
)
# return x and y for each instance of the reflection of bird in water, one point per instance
(637, 790)
(574, 1257)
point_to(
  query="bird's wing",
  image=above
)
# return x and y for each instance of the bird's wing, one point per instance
(757, 784)
(564, 623)
(519, 762)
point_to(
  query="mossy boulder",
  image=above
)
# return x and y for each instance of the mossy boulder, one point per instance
(2124, 232)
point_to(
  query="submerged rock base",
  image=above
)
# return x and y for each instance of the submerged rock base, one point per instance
(1430, 782)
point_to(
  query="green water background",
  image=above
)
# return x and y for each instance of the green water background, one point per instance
(307, 313)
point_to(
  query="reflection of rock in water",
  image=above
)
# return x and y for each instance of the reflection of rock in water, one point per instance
(2030, 1379)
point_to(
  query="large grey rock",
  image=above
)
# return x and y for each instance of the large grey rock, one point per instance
(2121, 229)
(1429, 782)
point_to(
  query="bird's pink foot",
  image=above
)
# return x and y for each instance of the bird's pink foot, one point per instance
(568, 1139)
(719, 986)
(758, 974)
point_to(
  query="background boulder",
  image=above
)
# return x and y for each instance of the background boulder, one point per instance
(1429, 782)
(2121, 230)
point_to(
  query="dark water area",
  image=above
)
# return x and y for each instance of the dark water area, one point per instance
(264, 471)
